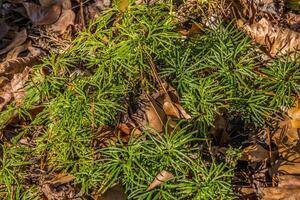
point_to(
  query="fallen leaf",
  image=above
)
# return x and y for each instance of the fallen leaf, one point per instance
(40, 15)
(5, 96)
(275, 39)
(276, 193)
(294, 113)
(170, 101)
(289, 181)
(66, 19)
(19, 38)
(17, 65)
(17, 84)
(61, 179)
(154, 118)
(255, 153)
(162, 177)
(288, 167)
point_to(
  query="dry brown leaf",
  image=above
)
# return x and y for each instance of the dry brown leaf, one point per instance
(255, 153)
(287, 167)
(5, 96)
(289, 181)
(61, 179)
(66, 19)
(170, 102)
(19, 39)
(17, 65)
(276, 193)
(17, 84)
(275, 39)
(162, 177)
(287, 137)
(294, 113)
(40, 15)
(155, 116)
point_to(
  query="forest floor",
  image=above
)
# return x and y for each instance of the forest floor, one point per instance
(195, 99)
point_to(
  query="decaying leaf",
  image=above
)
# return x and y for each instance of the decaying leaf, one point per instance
(40, 15)
(162, 177)
(19, 39)
(66, 19)
(275, 39)
(255, 153)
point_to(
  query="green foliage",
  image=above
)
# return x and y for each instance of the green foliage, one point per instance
(137, 163)
(86, 87)
(220, 70)
(11, 173)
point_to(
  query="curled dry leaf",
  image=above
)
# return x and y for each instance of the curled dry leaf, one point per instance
(19, 39)
(255, 153)
(40, 15)
(162, 177)
(66, 19)
(275, 39)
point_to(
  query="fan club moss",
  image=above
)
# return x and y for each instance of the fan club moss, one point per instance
(217, 71)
